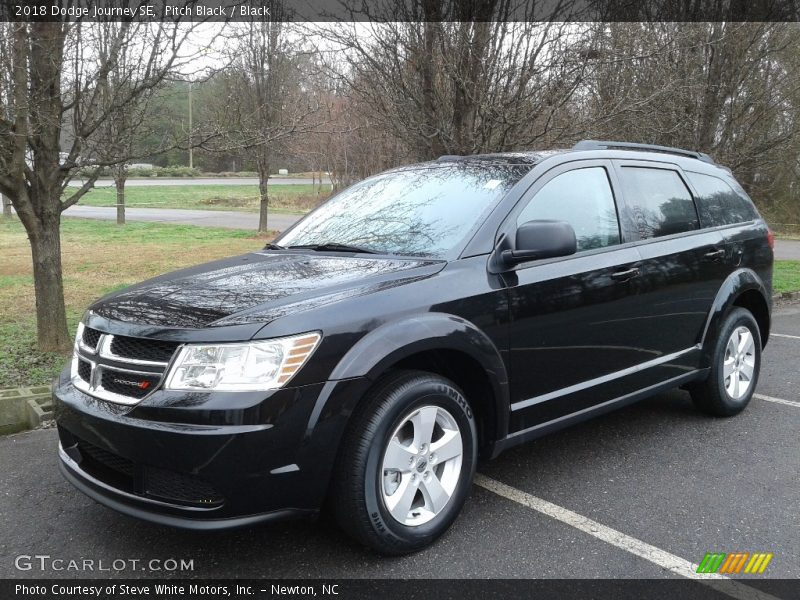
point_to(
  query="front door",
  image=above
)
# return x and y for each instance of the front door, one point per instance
(571, 343)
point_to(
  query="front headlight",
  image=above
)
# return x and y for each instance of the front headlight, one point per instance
(244, 366)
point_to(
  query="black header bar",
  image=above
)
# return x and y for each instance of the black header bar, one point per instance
(391, 589)
(401, 10)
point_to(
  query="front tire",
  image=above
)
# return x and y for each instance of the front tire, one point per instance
(407, 463)
(735, 365)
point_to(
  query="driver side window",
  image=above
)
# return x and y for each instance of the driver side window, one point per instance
(582, 198)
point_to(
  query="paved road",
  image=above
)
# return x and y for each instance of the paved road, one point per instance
(203, 181)
(787, 249)
(209, 218)
(657, 471)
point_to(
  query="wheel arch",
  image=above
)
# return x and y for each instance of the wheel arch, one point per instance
(444, 344)
(742, 288)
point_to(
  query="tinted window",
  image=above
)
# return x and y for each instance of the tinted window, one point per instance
(420, 211)
(718, 203)
(659, 201)
(583, 199)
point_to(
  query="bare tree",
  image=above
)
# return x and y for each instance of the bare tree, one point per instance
(352, 145)
(5, 87)
(119, 136)
(348, 146)
(729, 89)
(53, 109)
(263, 103)
(457, 78)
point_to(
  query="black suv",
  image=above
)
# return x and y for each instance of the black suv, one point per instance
(419, 319)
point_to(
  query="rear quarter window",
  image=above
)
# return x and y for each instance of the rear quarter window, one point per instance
(718, 203)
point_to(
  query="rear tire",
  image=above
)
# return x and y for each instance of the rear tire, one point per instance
(406, 464)
(735, 365)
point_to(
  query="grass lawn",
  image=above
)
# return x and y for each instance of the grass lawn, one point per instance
(98, 257)
(786, 277)
(283, 198)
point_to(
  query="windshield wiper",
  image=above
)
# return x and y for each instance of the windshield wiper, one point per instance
(333, 247)
(272, 246)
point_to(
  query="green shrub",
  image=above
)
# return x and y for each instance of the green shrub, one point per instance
(178, 171)
(172, 171)
(142, 172)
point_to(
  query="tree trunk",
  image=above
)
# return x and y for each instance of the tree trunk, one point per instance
(6, 207)
(36, 191)
(120, 176)
(473, 45)
(433, 133)
(263, 177)
(51, 318)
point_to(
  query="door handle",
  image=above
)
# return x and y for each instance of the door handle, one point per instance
(625, 275)
(715, 254)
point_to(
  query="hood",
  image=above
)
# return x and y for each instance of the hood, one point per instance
(256, 288)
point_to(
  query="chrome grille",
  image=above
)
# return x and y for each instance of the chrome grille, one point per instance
(120, 369)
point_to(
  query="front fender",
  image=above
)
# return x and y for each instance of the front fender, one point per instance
(738, 282)
(432, 331)
(373, 354)
(384, 346)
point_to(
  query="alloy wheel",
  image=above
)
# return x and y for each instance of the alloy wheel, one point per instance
(738, 366)
(421, 465)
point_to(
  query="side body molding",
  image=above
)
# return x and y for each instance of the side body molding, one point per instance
(738, 282)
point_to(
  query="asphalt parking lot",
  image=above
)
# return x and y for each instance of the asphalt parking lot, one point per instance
(672, 483)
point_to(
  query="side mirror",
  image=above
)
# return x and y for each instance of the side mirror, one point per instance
(541, 239)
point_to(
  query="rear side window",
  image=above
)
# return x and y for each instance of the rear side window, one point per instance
(718, 203)
(582, 198)
(659, 201)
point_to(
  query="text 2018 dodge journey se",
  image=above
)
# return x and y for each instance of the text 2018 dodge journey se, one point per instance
(419, 319)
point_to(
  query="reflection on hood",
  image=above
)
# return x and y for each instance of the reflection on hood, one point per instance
(256, 287)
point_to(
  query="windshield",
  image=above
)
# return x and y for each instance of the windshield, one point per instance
(426, 211)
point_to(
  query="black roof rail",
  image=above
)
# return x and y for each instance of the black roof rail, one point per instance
(609, 145)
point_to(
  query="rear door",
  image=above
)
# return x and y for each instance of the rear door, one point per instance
(682, 265)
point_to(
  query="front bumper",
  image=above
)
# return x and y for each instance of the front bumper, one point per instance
(205, 461)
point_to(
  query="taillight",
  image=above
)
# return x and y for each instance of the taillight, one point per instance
(771, 239)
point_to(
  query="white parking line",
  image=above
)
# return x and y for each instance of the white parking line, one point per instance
(777, 400)
(662, 558)
(785, 335)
